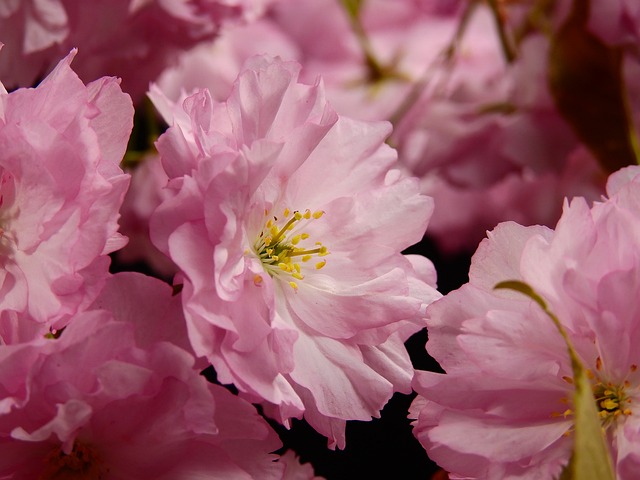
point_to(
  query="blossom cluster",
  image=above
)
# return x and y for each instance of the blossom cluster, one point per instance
(215, 218)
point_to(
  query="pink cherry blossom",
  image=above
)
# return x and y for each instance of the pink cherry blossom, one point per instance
(60, 190)
(287, 222)
(504, 407)
(135, 408)
(132, 39)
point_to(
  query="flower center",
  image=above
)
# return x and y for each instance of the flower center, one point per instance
(284, 247)
(612, 400)
(83, 463)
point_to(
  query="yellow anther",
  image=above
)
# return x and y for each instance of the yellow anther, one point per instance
(269, 251)
(297, 275)
(567, 412)
(297, 267)
(286, 213)
(306, 258)
(296, 239)
(275, 258)
(267, 241)
(307, 214)
(294, 285)
(304, 236)
(317, 214)
(627, 411)
(603, 413)
(269, 223)
(609, 404)
(297, 215)
(284, 266)
(323, 251)
(257, 280)
(590, 374)
(321, 264)
(274, 230)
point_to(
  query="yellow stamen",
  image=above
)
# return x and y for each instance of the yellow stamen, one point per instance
(321, 264)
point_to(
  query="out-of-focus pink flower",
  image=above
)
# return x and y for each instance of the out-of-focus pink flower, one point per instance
(617, 22)
(132, 39)
(60, 190)
(491, 146)
(287, 222)
(135, 408)
(504, 407)
(215, 65)
(406, 38)
(144, 195)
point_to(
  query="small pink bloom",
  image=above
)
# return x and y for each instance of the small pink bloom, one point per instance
(60, 190)
(112, 398)
(287, 222)
(504, 407)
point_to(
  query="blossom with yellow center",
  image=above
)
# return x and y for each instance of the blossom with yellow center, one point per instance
(278, 214)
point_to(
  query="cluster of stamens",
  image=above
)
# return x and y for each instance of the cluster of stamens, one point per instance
(282, 245)
(612, 400)
(82, 462)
